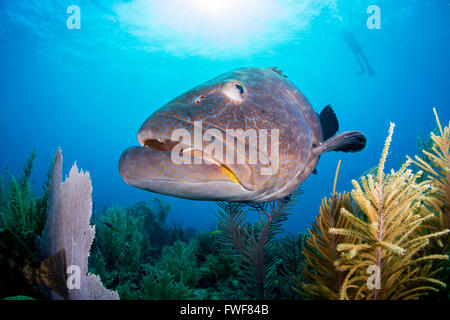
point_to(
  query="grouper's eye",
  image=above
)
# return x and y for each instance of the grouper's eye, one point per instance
(234, 90)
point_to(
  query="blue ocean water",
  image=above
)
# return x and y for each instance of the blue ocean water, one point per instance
(88, 90)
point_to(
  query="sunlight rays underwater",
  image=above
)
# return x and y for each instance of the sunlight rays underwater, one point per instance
(206, 28)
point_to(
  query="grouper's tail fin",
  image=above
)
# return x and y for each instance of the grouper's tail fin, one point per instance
(348, 141)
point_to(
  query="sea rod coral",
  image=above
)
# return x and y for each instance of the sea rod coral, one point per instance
(436, 165)
(323, 280)
(382, 251)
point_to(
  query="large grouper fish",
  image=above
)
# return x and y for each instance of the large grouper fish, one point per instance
(224, 114)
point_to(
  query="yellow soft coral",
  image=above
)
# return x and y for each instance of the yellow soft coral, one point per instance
(390, 261)
(436, 165)
(382, 244)
(323, 280)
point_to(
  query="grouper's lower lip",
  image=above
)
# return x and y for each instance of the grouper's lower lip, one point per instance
(153, 169)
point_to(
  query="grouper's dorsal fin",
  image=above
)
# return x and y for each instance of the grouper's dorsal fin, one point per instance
(275, 69)
(329, 123)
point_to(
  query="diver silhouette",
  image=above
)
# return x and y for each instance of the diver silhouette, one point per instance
(354, 46)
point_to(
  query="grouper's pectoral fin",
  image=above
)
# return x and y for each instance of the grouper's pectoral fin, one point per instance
(348, 141)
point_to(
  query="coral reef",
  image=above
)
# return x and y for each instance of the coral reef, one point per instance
(323, 280)
(160, 285)
(392, 204)
(118, 227)
(435, 162)
(287, 268)
(185, 268)
(180, 261)
(385, 240)
(252, 244)
(14, 256)
(393, 225)
(68, 228)
(134, 244)
(20, 210)
(22, 220)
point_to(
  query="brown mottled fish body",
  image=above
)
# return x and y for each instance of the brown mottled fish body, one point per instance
(243, 99)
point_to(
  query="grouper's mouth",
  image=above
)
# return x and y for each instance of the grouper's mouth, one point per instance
(149, 140)
(150, 166)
